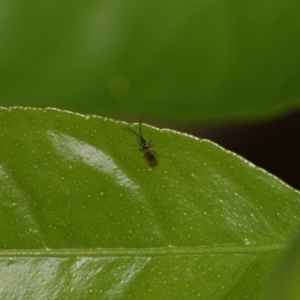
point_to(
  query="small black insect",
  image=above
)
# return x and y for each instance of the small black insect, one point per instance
(149, 154)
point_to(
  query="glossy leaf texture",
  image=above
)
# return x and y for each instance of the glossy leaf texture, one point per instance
(189, 61)
(84, 216)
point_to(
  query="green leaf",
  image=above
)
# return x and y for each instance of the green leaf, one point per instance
(84, 216)
(286, 284)
(217, 61)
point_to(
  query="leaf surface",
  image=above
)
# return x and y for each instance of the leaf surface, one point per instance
(286, 283)
(84, 216)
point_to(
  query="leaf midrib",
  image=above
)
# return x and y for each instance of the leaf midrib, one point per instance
(136, 252)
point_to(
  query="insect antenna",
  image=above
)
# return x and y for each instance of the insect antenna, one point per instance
(131, 130)
(141, 127)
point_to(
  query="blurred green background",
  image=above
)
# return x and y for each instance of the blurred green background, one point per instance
(179, 64)
(185, 61)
